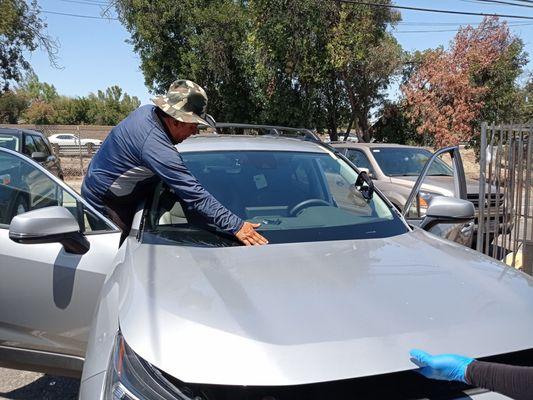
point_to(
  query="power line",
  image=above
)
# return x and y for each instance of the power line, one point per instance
(77, 15)
(413, 23)
(439, 23)
(92, 3)
(433, 10)
(501, 2)
(446, 30)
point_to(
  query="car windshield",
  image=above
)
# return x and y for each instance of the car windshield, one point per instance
(295, 196)
(405, 161)
(9, 142)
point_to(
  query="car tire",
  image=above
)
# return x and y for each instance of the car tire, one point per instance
(90, 148)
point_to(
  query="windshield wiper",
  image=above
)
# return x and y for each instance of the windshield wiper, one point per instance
(221, 234)
(366, 191)
(405, 174)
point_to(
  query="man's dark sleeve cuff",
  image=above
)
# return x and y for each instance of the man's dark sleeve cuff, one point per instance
(237, 227)
(515, 382)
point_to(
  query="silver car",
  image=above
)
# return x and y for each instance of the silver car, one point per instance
(395, 169)
(329, 309)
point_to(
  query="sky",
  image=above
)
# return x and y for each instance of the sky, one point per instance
(94, 53)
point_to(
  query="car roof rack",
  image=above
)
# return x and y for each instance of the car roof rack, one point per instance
(281, 131)
(272, 130)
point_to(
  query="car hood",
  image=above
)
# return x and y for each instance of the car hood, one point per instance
(289, 314)
(437, 183)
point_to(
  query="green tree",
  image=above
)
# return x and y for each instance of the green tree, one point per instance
(296, 77)
(503, 94)
(34, 89)
(21, 30)
(109, 107)
(366, 56)
(311, 63)
(205, 41)
(72, 111)
(40, 113)
(12, 105)
(44, 105)
(526, 102)
(394, 126)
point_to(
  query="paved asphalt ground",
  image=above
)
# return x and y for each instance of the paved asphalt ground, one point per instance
(25, 385)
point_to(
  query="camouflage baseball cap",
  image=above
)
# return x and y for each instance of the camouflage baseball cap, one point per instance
(185, 101)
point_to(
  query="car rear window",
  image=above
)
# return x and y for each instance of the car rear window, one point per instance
(10, 142)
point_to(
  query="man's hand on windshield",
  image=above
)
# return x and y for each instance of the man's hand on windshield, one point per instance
(248, 235)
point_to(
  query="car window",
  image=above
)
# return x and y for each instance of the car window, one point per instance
(359, 159)
(24, 187)
(296, 197)
(407, 161)
(41, 145)
(10, 142)
(29, 145)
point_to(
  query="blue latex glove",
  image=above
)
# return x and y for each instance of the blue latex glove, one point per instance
(445, 367)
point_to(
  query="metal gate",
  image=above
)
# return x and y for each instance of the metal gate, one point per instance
(505, 221)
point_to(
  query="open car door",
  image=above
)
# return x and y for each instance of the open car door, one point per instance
(55, 253)
(420, 198)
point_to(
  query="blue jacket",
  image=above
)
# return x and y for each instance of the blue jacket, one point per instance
(136, 153)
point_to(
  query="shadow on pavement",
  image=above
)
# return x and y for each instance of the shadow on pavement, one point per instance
(46, 388)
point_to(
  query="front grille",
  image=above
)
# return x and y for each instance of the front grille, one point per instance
(398, 386)
(496, 200)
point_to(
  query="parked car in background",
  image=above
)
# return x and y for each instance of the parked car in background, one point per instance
(62, 139)
(395, 169)
(19, 195)
(32, 144)
(329, 309)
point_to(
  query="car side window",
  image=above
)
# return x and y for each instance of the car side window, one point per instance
(41, 145)
(359, 159)
(29, 145)
(24, 187)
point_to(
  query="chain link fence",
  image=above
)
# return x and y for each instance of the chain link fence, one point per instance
(73, 144)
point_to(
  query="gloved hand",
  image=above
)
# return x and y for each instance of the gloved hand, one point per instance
(445, 367)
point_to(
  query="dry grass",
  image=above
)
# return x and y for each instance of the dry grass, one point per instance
(470, 164)
(74, 182)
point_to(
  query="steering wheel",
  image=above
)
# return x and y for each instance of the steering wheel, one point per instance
(307, 203)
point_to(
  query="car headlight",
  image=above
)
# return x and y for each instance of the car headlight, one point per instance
(129, 377)
(425, 197)
(419, 208)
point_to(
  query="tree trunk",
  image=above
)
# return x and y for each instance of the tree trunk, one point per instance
(332, 99)
(365, 127)
(354, 105)
(347, 133)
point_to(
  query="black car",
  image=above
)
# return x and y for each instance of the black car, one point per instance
(34, 145)
(17, 194)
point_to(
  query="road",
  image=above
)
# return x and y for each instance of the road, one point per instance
(25, 385)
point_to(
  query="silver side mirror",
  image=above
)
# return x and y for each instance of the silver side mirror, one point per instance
(444, 209)
(39, 156)
(49, 225)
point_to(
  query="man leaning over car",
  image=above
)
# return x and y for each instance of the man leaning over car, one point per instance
(140, 150)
